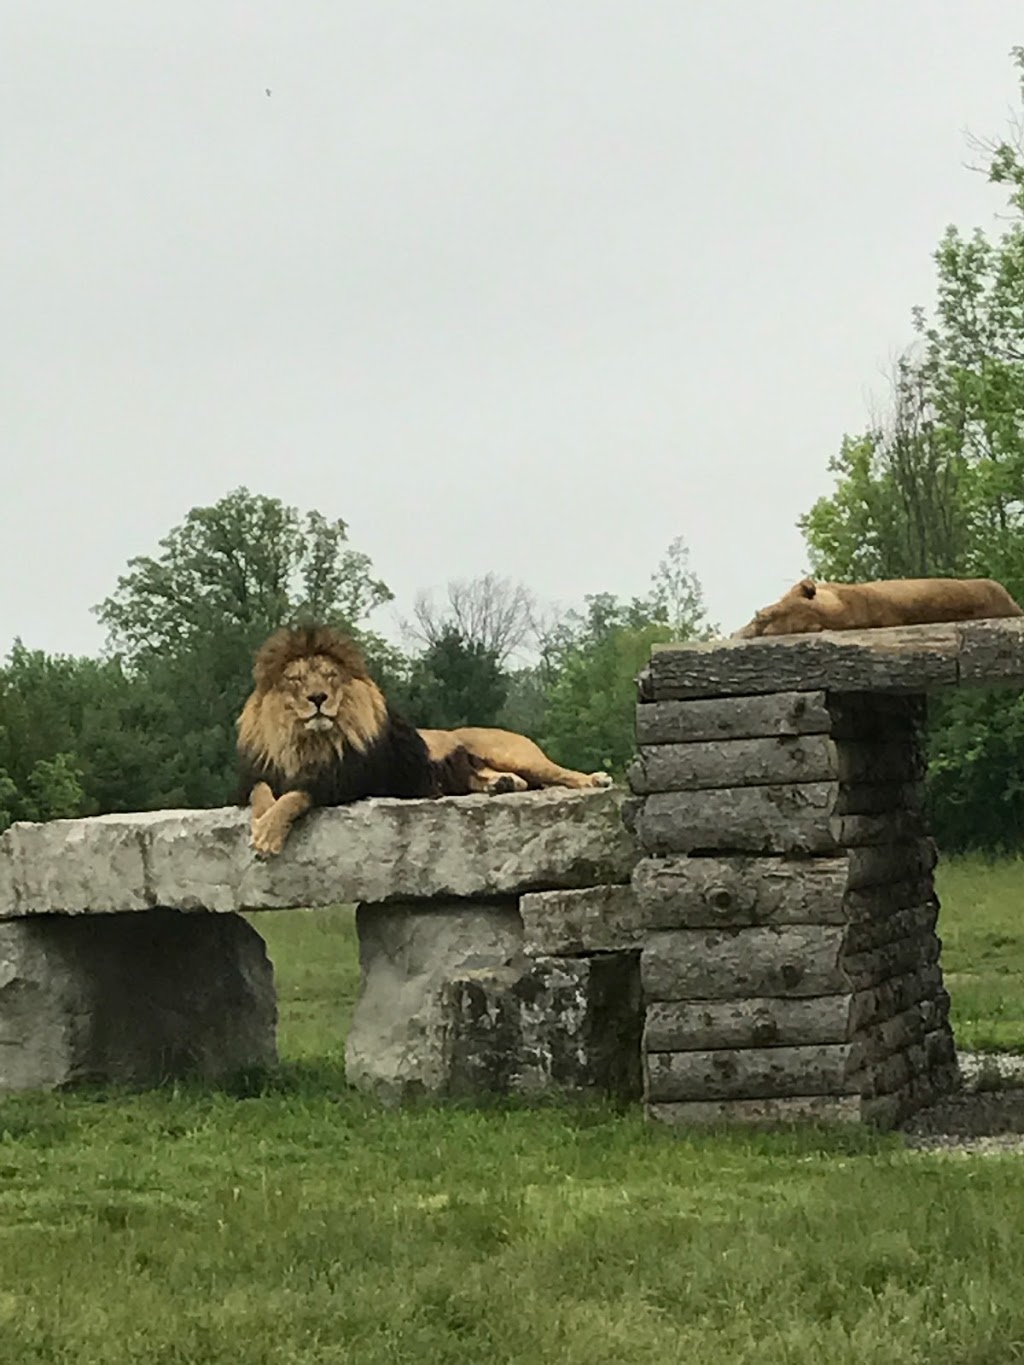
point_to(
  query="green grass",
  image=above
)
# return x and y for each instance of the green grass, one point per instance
(981, 924)
(191, 1226)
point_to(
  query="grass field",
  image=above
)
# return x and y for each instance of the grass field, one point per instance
(300, 1224)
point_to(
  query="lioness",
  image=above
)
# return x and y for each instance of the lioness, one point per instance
(810, 606)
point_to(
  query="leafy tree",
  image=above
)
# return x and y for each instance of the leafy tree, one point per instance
(188, 619)
(592, 658)
(937, 487)
(455, 682)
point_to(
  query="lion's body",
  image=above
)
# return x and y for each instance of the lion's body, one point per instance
(810, 606)
(502, 754)
(317, 730)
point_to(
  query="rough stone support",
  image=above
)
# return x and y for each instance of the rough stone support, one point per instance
(134, 1000)
(450, 1005)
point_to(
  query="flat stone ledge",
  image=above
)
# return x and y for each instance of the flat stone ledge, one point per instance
(891, 659)
(372, 852)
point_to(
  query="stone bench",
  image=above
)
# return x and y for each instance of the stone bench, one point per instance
(124, 957)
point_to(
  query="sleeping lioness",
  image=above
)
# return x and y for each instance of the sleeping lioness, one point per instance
(811, 606)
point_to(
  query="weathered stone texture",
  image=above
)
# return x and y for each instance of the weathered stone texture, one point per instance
(897, 659)
(372, 851)
(451, 1006)
(560, 1024)
(597, 919)
(778, 819)
(790, 967)
(781, 713)
(775, 960)
(680, 892)
(132, 1000)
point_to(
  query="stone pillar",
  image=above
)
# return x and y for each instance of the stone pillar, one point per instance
(133, 999)
(455, 1002)
(791, 964)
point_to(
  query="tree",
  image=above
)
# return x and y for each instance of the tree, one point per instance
(591, 660)
(244, 566)
(490, 613)
(188, 619)
(455, 682)
(938, 488)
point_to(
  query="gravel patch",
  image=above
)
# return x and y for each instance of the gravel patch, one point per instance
(984, 1117)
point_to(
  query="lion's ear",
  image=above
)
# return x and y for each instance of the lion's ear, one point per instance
(807, 587)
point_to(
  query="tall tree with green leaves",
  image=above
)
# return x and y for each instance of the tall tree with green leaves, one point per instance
(592, 659)
(189, 617)
(937, 487)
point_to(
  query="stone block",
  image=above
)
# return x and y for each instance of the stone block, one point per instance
(596, 919)
(451, 1006)
(126, 999)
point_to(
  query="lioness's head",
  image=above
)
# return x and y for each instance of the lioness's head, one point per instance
(312, 692)
(795, 613)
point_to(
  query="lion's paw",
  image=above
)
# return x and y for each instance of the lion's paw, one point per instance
(267, 838)
(601, 780)
(506, 782)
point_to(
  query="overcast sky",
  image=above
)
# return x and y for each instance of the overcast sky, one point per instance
(532, 287)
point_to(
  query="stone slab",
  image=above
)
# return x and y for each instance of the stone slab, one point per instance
(788, 961)
(749, 1073)
(373, 851)
(893, 659)
(709, 1025)
(776, 819)
(716, 892)
(767, 1111)
(596, 919)
(687, 722)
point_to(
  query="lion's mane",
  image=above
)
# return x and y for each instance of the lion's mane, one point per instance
(370, 750)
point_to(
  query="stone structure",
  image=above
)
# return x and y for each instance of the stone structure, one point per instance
(790, 962)
(124, 957)
(751, 935)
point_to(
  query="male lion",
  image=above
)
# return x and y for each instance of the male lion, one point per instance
(317, 730)
(809, 606)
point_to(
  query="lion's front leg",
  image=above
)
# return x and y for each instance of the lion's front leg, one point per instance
(270, 828)
(260, 800)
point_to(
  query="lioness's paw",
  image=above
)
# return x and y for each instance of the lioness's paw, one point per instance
(601, 780)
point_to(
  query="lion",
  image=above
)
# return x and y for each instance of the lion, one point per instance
(811, 606)
(505, 761)
(318, 731)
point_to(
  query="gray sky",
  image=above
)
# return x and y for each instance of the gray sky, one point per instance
(531, 287)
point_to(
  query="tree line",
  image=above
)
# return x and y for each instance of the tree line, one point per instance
(933, 485)
(151, 723)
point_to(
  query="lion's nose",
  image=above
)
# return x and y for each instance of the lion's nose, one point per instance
(317, 698)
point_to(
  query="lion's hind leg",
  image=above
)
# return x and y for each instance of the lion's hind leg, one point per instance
(502, 751)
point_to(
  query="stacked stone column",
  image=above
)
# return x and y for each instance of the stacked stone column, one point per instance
(790, 966)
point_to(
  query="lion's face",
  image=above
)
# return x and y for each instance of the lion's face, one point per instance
(793, 617)
(795, 613)
(313, 700)
(312, 690)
